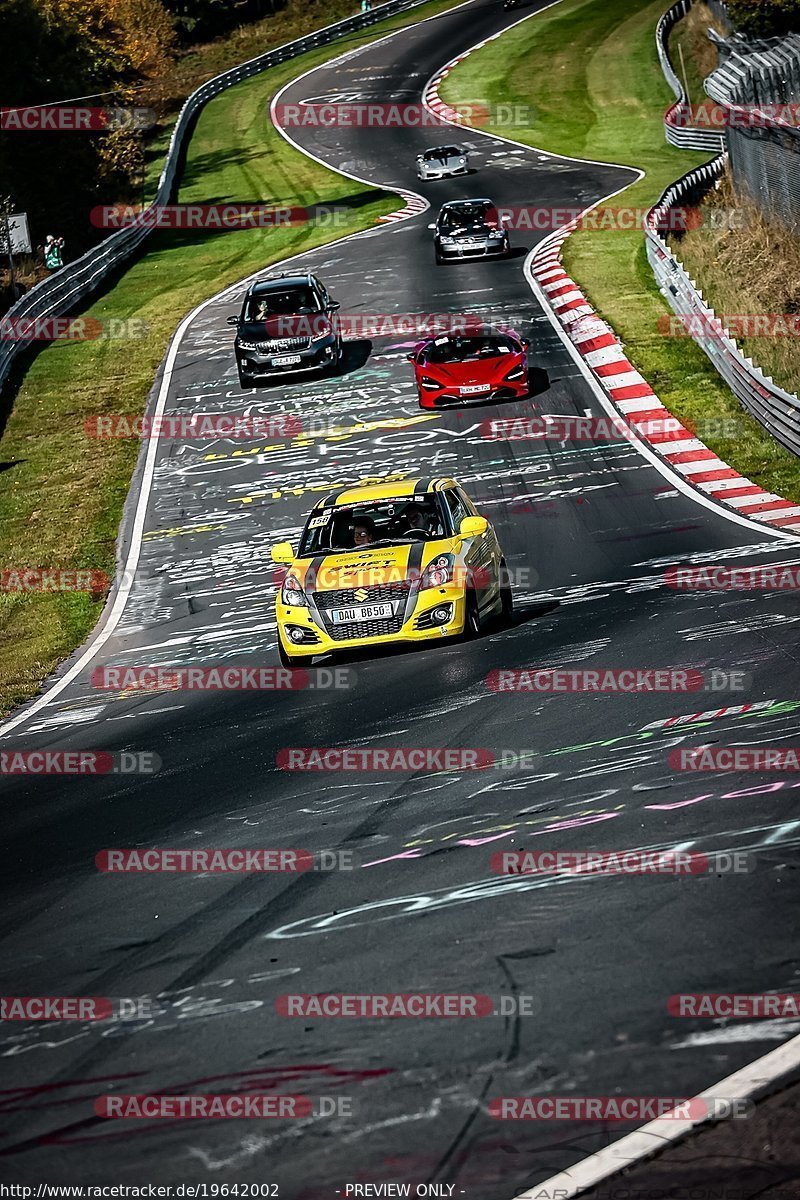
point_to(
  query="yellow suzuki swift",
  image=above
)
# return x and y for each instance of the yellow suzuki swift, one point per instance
(393, 562)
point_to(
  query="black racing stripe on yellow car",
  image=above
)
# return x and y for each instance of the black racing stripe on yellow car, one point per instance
(422, 486)
(330, 500)
(414, 570)
(310, 585)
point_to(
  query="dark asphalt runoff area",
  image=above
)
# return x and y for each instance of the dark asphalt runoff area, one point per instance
(579, 968)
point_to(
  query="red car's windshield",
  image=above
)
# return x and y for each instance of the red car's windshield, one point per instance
(457, 350)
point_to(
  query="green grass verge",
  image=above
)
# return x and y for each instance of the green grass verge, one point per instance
(61, 493)
(590, 71)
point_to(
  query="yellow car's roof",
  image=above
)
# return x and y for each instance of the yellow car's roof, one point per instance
(384, 491)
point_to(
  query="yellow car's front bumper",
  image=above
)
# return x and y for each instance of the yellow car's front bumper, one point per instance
(427, 600)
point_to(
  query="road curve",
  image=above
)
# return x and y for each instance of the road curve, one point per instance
(594, 527)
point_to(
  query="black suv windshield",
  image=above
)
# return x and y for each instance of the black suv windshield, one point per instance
(282, 302)
(381, 523)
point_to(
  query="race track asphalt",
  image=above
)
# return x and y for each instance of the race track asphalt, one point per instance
(589, 530)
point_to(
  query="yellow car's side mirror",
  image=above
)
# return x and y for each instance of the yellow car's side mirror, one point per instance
(473, 527)
(283, 553)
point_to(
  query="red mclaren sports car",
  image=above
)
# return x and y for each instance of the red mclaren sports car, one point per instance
(462, 369)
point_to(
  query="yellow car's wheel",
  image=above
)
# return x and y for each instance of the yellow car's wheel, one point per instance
(472, 620)
(506, 595)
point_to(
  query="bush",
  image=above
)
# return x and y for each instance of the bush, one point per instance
(765, 18)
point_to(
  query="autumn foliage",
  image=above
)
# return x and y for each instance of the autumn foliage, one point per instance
(765, 18)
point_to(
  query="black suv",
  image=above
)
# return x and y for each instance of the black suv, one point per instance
(287, 325)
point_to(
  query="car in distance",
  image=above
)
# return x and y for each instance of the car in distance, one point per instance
(390, 563)
(287, 326)
(469, 229)
(464, 368)
(442, 161)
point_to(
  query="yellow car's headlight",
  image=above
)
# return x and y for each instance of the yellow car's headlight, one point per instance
(292, 592)
(438, 572)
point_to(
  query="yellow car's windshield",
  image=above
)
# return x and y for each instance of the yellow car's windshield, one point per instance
(378, 523)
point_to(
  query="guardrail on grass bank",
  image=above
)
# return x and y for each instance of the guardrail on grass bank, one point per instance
(777, 410)
(677, 129)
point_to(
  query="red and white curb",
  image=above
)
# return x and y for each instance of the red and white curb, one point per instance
(633, 397)
(413, 206)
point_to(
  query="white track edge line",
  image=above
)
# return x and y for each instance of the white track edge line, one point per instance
(650, 1139)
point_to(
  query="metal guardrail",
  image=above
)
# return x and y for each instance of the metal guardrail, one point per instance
(57, 295)
(755, 84)
(777, 410)
(677, 129)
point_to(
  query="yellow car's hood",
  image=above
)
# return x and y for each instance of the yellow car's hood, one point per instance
(370, 568)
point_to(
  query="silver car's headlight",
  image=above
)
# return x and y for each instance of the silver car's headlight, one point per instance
(448, 241)
(247, 345)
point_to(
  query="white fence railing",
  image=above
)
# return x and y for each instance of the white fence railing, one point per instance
(677, 119)
(777, 410)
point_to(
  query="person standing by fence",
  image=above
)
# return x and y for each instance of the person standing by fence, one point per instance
(53, 258)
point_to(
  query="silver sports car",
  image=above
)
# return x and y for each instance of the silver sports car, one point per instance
(442, 161)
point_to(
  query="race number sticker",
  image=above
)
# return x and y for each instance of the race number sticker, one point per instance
(317, 522)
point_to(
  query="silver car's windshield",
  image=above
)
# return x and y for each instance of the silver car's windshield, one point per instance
(442, 152)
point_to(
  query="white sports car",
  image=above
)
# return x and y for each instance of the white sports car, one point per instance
(442, 161)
